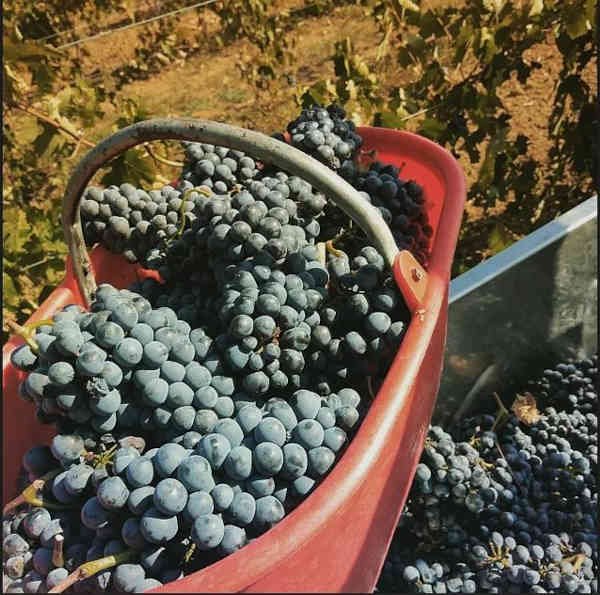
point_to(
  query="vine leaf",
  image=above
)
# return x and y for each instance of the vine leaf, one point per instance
(49, 143)
(29, 129)
(525, 408)
(536, 7)
(488, 44)
(494, 148)
(493, 5)
(499, 239)
(432, 128)
(577, 22)
(13, 85)
(30, 51)
(11, 295)
(15, 230)
(133, 166)
(389, 119)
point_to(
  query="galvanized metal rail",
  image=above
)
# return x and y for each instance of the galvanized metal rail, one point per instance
(529, 305)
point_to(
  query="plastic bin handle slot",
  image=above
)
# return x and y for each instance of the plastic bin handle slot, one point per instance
(411, 278)
(258, 145)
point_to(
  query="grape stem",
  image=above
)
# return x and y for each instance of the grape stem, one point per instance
(235, 190)
(30, 494)
(332, 249)
(322, 253)
(576, 560)
(37, 324)
(499, 554)
(104, 458)
(189, 553)
(91, 568)
(25, 334)
(204, 190)
(161, 159)
(484, 463)
(502, 454)
(25, 331)
(58, 558)
(503, 413)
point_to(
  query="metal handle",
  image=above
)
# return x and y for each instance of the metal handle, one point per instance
(257, 145)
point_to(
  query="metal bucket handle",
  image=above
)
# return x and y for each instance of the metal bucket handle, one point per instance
(257, 145)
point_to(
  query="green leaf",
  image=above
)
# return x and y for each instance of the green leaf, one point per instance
(16, 51)
(536, 7)
(494, 148)
(28, 129)
(11, 296)
(489, 45)
(430, 24)
(577, 22)
(499, 239)
(416, 44)
(133, 167)
(388, 119)
(13, 85)
(432, 128)
(493, 5)
(14, 224)
(43, 75)
(42, 141)
(461, 43)
(321, 92)
(409, 5)
(49, 143)
(405, 58)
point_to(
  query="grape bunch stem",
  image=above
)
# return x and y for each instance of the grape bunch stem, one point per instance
(30, 495)
(58, 558)
(91, 568)
(503, 414)
(26, 332)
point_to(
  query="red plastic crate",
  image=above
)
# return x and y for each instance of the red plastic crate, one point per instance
(337, 539)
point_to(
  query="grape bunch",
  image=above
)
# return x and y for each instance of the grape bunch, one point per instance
(202, 496)
(135, 223)
(364, 315)
(34, 558)
(326, 135)
(195, 396)
(267, 217)
(218, 168)
(44, 544)
(122, 365)
(507, 507)
(265, 220)
(401, 204)
(570, 386)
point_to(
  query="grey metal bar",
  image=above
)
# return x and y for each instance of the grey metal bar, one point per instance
(529, 305)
